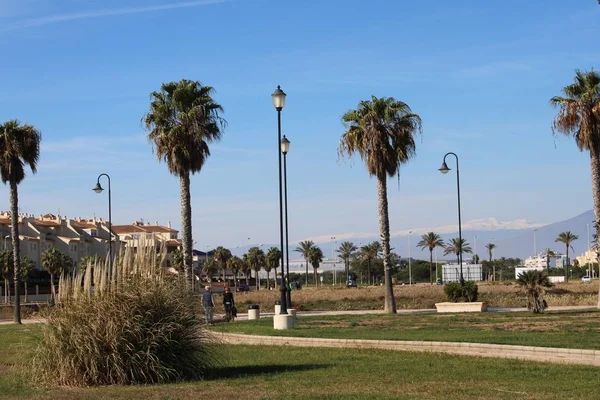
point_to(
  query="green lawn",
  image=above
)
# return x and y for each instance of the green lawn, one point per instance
(252, 372)
(574, 329)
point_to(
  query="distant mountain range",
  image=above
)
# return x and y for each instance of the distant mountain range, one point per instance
(512, 238)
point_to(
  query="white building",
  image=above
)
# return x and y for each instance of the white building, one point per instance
(539, 261)
(589, 257)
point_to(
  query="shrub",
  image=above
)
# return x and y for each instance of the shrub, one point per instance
(137, 326)
(459, 293)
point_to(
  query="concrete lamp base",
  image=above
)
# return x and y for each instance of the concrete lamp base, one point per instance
(283, 321)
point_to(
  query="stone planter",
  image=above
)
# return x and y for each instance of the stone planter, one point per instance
(447, 307)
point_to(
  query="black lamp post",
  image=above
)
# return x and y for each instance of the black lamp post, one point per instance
(99, 189)
(285, 148)
(444, 170)
(278, 97)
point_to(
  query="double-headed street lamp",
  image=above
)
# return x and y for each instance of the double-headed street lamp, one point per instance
(100, 189)
(278, 97)
(444, 170)
(285, 148)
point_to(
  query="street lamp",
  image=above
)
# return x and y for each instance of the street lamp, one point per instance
(333, 244)
(99, 189)
(444, 170)
(535, 244)
(284, 145)
(278, 97)
(409, 262)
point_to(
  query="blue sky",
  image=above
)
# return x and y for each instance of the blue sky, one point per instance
(480, 75)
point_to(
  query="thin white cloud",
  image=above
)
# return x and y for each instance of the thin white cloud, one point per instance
(54, 19)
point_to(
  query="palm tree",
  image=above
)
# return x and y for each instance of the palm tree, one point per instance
(54, 261)
(316, 258)
(567, 238)
(177, 260)
(256, 261)
(490, 248)
(221, 256)
(430, 240)
(26, 268)
(369, 253)
(210, 268)
(457, 246)
(534, 282)
(235, 264)
(272, 261)
(19, 146)
(7, 271)
(183, 120)
(382, 132)
(549, 253)
(304, 248)
(246, 269)
(346, 252)
(579, 116)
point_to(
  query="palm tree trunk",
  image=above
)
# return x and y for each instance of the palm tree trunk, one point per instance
(52, 290)
(267, 280)
(384, 234)
(14, 209)
(431, 266)
(567, 265)
(306, 271)
(247, 281)
(595, 170)
(186, 225)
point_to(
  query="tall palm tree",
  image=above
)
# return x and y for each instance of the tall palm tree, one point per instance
(316, 258)
(26, 268)
(369, 253)
(210, 269)
(256, 260)
(183, 120)
(549, 253)
(457, 246)
(382, 132)
(19, 146)
(579, 116)
(304, 248)
(272, 261)
(246, 269)
(534, 283)
(221, 256)
(566, 238)
(55, 262)
(346, 251)
(235, 264)
(6, 270)
(490, 248)
(430, 241)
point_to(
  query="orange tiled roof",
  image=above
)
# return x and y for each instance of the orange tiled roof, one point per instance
(31, 238)
(173, 242)
(84, 224)
(157, 229)
(46, 223)
(119, 229)
(5, 221)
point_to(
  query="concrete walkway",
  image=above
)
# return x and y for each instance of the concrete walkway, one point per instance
(542, 354)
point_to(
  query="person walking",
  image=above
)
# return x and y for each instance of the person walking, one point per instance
(228, 304)
(208, 302)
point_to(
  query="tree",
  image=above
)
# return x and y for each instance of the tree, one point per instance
(272, 261)
(19, 147)
(381, 131)
(210, 269)
(55, 262)
(177, 261)
(235, 265)
(221, 256)
(6, 269)
(183, 120)
(87, 261)
(304, 248)
(430, 241)
(457, 246)
(26, 268)
(490, 248)
(534, 283)
(549, 253)
(316, 258)
(566, 238)
(369, 253)
(256, 260)
(246, 269)
(579, 116)
(346, 251)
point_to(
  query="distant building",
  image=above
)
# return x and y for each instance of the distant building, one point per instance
(589, 257)
(556, 261)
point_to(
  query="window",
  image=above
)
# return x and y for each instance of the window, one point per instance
(87, 248)
(33, 246)
(74, 247)
(94, 233)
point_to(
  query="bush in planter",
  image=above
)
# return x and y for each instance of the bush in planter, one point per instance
(461, 293)
(134, 325)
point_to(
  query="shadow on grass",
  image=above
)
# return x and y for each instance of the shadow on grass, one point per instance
(249, 370)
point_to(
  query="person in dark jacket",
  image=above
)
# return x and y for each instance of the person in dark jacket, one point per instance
(228, 304)
(209, 305)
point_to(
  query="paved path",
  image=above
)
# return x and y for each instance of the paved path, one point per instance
(542, 354)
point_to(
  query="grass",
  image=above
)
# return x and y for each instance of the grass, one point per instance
(501, 294)
(572, 329)
(250, 372)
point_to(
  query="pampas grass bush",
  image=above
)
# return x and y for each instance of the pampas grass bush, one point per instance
(133, 325)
